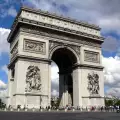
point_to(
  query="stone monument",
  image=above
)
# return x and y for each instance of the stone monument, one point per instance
(36, 39)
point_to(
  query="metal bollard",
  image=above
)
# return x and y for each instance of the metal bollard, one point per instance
(11, 109)
(65, 110)
(5, 109)
(33, 109)
(18, 109)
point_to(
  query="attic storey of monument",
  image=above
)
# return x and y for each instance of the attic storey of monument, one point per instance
(37, 38)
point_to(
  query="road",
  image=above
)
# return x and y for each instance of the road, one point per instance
(59, 116)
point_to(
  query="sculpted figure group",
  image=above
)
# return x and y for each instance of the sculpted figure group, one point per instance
(33, 80)
(93, 83)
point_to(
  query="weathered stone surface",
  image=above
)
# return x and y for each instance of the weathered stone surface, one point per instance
(35, 40)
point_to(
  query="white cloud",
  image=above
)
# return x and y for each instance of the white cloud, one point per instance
(12, 11)
(54, 73)
(101, 12)
(112, 75)
(4, 46)
(111, 44)
(7, 8)
(3, 86)
(113, 92)
(55, 93)
(3, 91)
(107, 24)
(5, 69)
(54, 79)
(3, 95)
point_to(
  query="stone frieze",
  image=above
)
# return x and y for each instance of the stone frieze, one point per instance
(34, 46)
(59, 23)
(53, 44)
(91, 56)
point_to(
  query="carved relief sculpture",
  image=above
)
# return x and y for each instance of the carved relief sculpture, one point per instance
(91, 56)
(33, 80)
(53, 44)
(34, 46)
(53, 35)
(93, 83)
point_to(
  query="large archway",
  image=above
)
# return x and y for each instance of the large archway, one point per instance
(65, 59)
(35, 39)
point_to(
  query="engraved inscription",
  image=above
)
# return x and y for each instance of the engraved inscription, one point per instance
(91, 56)
(59, 23)
(14, 51)
(34, 46)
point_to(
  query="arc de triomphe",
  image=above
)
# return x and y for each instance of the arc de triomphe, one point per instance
(37, 38)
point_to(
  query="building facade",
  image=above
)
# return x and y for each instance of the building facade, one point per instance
(36, 39)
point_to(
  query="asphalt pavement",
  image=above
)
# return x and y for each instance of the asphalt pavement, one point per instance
(59, 116)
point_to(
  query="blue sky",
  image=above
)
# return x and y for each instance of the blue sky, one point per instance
(106, 15)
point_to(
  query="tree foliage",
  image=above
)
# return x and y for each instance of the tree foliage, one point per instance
(112, 102)
(108, 102)
(55, 103)
(118, 102)
(2, 105)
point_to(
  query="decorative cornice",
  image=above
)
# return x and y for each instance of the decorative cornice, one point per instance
(29, 94)
(92, 97)
(51, 35)
(53, 27)
(20, 19)
(53, 15)
(61, 29)
(12, 79)
(28, 58)
(87, 66)
(53, 44)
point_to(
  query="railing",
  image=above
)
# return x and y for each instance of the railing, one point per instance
(64, 109)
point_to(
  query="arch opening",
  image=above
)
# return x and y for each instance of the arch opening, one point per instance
(65, 59)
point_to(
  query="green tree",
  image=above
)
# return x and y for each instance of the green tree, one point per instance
(117, 102)
(58, 102)
(55, 103)
(2, 105)
(108, 102)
